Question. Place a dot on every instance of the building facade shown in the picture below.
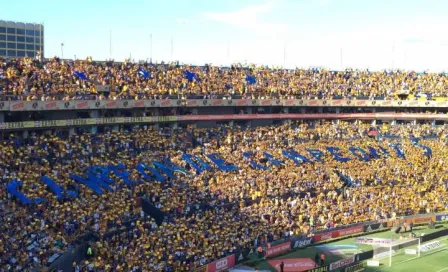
(21, 39)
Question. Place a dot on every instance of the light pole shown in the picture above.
(62, 50)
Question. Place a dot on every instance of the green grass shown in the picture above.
(431, 262)
(434, 261)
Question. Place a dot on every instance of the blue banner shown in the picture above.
(81, 75)
(222, 165)
(13, 189)
(143, 73)
(97, 178)
(190, 76)
(251, 80)
(443, 217)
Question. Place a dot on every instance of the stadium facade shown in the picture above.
(94, 115)
(19, 39)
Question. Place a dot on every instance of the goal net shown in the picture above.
(396, 251)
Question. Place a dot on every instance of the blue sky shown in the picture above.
(335, 34)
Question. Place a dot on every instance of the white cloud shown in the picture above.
(249, 18)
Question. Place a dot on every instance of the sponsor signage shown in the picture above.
(384, 254)
(223, 264)
(17, 106)
(373, 241)
(242, 102)
(342, 263)
(325, 268)
(443, 217)
(337, 233)
(355, 267)
(137, 103)
(52, 105)
(302, 242)
(278, 249)
(323, 236)
(109, 104)
(410, 251)
(293, 265)
(373, 263)
(421, 219)
(167, 103)
(81, 104)
(318, 237)
(350, 231)
(430, 246)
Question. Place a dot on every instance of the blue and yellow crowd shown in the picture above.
(34, 79)
(214, 213)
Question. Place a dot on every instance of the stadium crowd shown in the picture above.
(213, 213)
(34, 79)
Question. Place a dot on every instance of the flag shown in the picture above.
(251, 80)
(143, 73)
(81, 75)
(190, 76)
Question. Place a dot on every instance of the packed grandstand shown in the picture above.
(213, 191)
(35, 79)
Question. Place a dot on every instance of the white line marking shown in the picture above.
(443, 269)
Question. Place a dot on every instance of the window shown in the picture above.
(20, 39)
(20, 31)
(29, 32)
(30, 54)
(2, 37)
(20, 53)
(11, 53)
(29, 39)
(11, 38)
(37, 40)
(2, 29)
(37, 33)
(2, 52)
(11, 31)
(2, 45)
(11, 46)
(30, 47)
(21, 46)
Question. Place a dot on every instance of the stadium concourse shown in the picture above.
(33, 79)
(255, 186)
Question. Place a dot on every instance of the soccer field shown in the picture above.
(436, 261)
(433, 261)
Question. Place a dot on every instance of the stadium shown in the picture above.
(124, 165)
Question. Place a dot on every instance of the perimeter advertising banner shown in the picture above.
(355, 267)
(442, 217)
(223, 264)
(325, 268)
(338, 233)
(342, 263)
(373, 241)
(293, 265)
(278, 249)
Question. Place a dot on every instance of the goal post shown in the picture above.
(397, 251)
(390, 251)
